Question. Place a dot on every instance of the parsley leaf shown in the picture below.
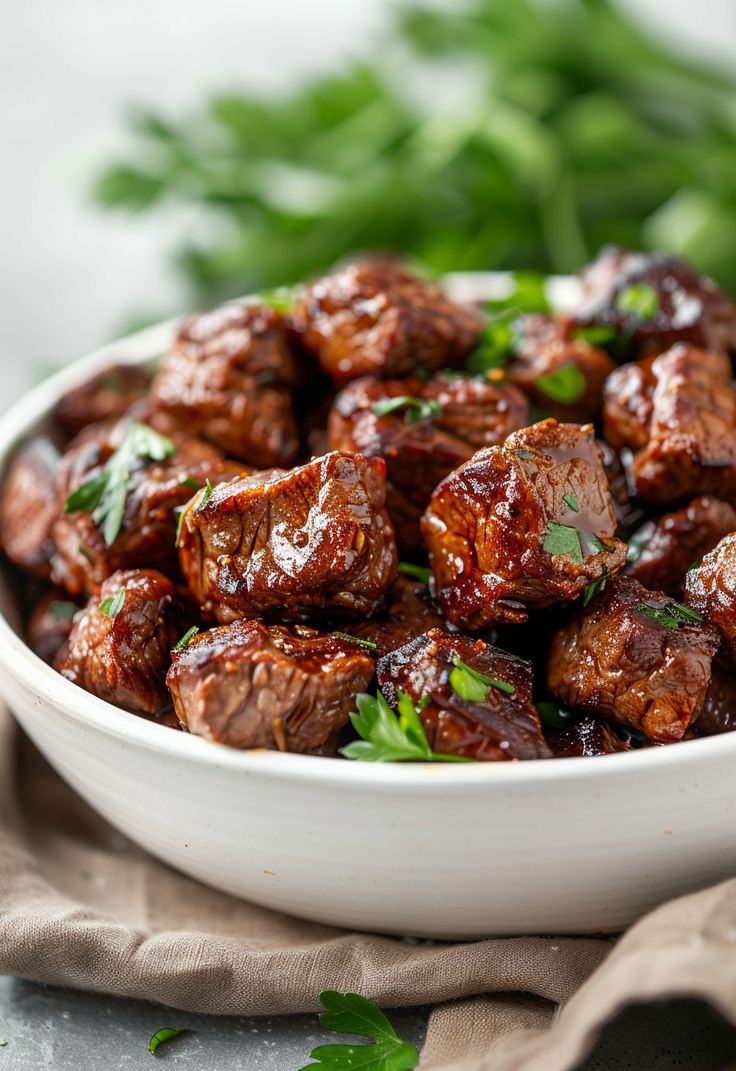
(166, 1033)
(596, 335)
(369, 644)
(495, 342)
(416, 408)
(350, 1013)
(188, 635)
(473, 685)
(639, 300)
(104, 495)
(671, 616)
(595, 586)
(572, 502)
(566, 384)
(113, 604)
(562, 539)
(388, 737)
(419, 572)
(280, 298)
(205, 497)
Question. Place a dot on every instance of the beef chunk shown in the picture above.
(710, 589)
(497, 727)
(719, 709)
(684, 305)
(28, 506)
(230, 379)
(407, 612)
(50, 624)
(247, 685)
(155, 490)
(585, 738)
(627, 404)
(662, 551)
(424, 440)
(635, 656)
(119, 645)
(562, 375)
(375, 318)
(292, 543)
(529, 523)
(107, 396)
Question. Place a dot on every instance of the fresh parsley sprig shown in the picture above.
(673, 615)
(416, 408)
(417, 572)
(113, 604)
(566, 384)
(390, 737)
(350, 1013)
(473, 685)
(104, 495)
(640, 301)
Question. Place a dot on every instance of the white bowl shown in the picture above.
(556, 846)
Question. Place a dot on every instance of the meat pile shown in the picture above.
(518, 533)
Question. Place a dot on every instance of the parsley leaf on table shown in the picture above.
(349, 1013)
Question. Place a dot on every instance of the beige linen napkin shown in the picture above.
(81, 907)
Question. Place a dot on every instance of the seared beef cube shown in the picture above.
(28, 506)
(480, 411)
(691, 447)
(108, 396)
(662, 551)
(248, 686)
(563, 375)
(375, 318)
(636, 657)
(627, 404)
(656, 299)
(719, 709)
(627, 512)
(407, 612)
(292, 543)
(50, 624)
(155, 490)
(493, 722)
(120, 643)
(585, 738)
(230, 378)
(710, 589)
(530, 523)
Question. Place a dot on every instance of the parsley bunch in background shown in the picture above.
(485, 135)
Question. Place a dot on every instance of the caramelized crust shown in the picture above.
(587, 737)
(28, 506)
(711, 590)
(406, 613)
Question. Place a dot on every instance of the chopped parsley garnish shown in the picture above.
(472, 685)
(205, 497)
(166, 1033)
(349, 1013)
(104, 494)
(61, 609)
(562, 539)
(595, 586)
(495, 342)
(671, 616)
(553, 715)
(528, 295)
(566, 384)
(419, 572)
(113, 604)
(639, 300)
(416, 408)
(572, 502)
(592, 544)
(280, 298)
(388, 736)
(369, 644)
(596, 334)
(186, 638)
(189, 481)
(524, 454)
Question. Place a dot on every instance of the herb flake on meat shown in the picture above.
(473, 685)
(113, 604)
(368, 644)
(562, 539)
(639, 300)
(186, 638)
(671, 616)
(567, 384)
(418, 572)
(416, 408)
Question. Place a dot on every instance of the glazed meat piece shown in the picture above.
(636, 657)
(230, 378)
(407, 612)
(719, 709)
(293, 543)
(662, 551)
(28, 506)
(585, 738)
(655, 299)
(50, 624)
(710, 589)
(438, 428)
(627, 404)
(691, 447)
(627, 512)
(500, 725)
(562, 375)
(247, 685)
(108, 396)
(153, 493)
(530, 523)
(120, 643)
(375, 318)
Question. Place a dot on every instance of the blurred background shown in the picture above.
(161, 156)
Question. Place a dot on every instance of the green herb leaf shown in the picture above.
(639, 300)
(350, 1013)
(188, 635)
(572, 502)
(685, 613)
(562, 539)
(419, 572)
(596, 335)
(567, 384)
(593, 544)
(369, 644)
(205, 497)
(166, 1033)
(61, 609)
(280, 298)
(553, 715)
(671, 616)
(189, 481)
(388, 737)
(473, 685)
(104, 495)
(416, 408)
(113, 604)
(495, 343)
(595, 586)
